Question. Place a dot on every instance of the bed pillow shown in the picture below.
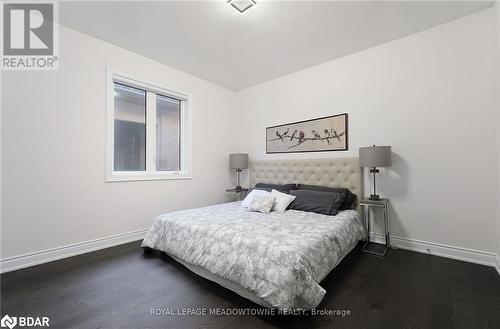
(248, 199)
(262, 203)
(258, 188)
(286, 188)
(282, 201)
(326, 203)
(337, 203)
(348, 198)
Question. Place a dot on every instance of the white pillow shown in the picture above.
(282, 201)
(262, 203)
(248, 199)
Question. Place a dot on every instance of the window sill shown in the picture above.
(128, 177)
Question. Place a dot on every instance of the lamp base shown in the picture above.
(374, 197)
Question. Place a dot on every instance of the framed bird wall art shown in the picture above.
(315, 135)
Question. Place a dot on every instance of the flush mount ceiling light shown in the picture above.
(242, 5)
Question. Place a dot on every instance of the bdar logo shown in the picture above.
(24, 321)
(8, 321)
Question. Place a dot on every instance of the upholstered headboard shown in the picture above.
(333, 172)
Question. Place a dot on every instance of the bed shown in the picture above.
(275, 260)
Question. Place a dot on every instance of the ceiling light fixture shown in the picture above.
(242, 5)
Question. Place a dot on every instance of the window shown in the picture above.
(148, 130)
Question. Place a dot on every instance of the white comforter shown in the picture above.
(279, 258)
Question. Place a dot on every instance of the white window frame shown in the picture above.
(152, 88)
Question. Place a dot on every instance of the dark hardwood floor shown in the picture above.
(118, 287)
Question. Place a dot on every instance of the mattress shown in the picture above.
(275, 260)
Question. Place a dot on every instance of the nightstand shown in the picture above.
(383, 204)
(237, 192)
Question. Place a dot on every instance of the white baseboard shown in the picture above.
(437, 249)
(35, 258)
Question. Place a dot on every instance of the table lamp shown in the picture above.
(238, 161)
(373, 157)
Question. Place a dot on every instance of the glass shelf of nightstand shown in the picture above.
(375, 203)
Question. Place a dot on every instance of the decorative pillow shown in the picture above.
(262, 203)
(248, 199)
(286, 188)
(348, 198)
(325, 203)
(282, 202)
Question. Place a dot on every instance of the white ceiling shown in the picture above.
(211, 40)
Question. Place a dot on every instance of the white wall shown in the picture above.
(432, 97)
(53, 151)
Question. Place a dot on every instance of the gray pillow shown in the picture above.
(326, 203)
(286, 188)
(348, 198)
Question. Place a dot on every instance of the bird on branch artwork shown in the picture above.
(317, 135)
(299, 136)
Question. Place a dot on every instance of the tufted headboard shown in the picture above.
(333, 172)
